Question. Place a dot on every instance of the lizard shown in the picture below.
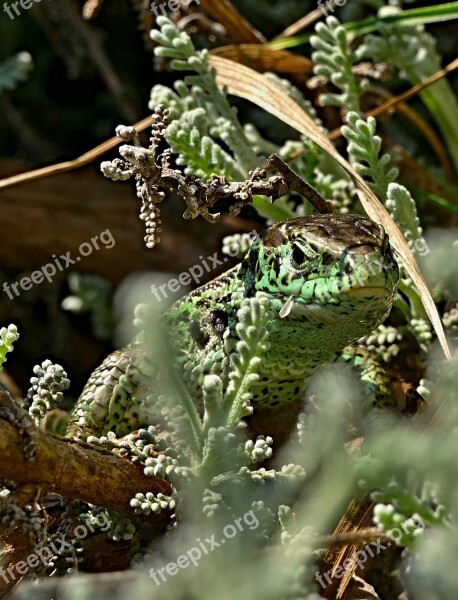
(330, 279)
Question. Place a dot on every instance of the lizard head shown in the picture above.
(332, 268)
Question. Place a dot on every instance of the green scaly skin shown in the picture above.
(327, 287)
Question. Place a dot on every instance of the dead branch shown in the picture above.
(67, 467)
(153, 174)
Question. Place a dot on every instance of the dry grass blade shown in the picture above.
(237, 26)
(246, 83)
(431, 136)
(410, 93)
(261, 58)
(69, 165)
(303, 23)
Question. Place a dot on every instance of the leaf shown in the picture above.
(433, 199)
(69, 165)
(261, 58)
(240, 30)
(244, 82)
(410, 17)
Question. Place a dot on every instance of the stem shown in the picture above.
(195, 423)
(443, 106)
(418, 311)
(246, 158)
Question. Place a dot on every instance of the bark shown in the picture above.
(70, 468)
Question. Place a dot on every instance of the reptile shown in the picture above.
(329, 278)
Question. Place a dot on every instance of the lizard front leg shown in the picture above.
(115, 396)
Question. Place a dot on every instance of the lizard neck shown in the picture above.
(298, 345)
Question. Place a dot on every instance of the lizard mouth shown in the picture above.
(328, 312)
(364, 290)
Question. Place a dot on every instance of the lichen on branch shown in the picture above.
(153, 174)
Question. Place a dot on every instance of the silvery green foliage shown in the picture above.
(207, 450)
(117, 527)
(422, 330)
(335, 186)
(185, 106)
(403, 209)
(178, 100)
(46, 389)
(410, 48)
(160, 466)
(364, 149)
(237, 245)
(432, 573)
(14, 515)
(424, 388)
(438, 259)
(319, 169)
(334, 60)
(450, 318)
(147, 503)
(188, 139)
(14, 70)
(404, 531)
(91, 294)
(252, 318)
(260, 145)
(414, 476)
(121, 529)
(384, 341)
(201, 115)
(8, 335)
(197, 151)
(259, 450)
(413, 51)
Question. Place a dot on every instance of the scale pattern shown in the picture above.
(329, 279)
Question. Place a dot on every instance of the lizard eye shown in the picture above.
(298, 257)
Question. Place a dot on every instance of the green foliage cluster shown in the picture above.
(91, 294)
(14, 70)
(8, 335)
(46, 390)
(214, 471)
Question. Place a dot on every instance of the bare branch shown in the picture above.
(72, 469)
(153, 174)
